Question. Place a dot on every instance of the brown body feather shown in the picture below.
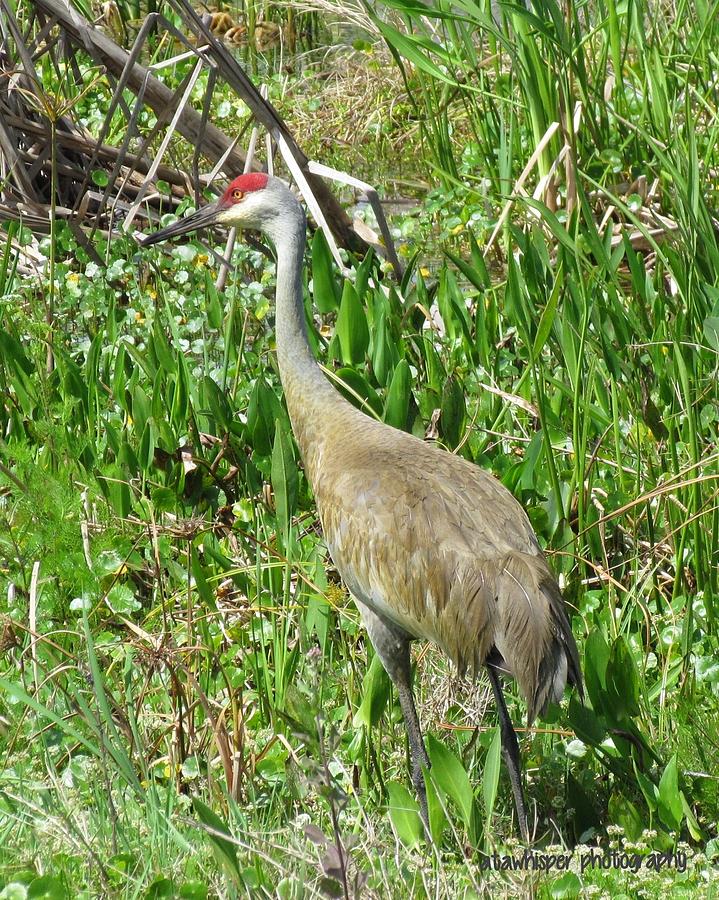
(437, 546)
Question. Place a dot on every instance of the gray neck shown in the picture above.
(306, 389)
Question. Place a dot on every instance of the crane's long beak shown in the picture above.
(202, 218)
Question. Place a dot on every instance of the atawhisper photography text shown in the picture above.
(593, 859)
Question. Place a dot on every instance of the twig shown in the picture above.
(13, 477)
(32, 615)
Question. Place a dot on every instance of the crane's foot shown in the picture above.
(420, 761)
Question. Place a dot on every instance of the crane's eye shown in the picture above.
(237, 195)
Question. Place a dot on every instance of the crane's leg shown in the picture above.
(510, 752)
(391, 644)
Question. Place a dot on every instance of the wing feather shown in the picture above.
(442, 549)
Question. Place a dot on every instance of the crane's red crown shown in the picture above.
(243, 184)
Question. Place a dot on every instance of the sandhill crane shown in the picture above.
(429, 545)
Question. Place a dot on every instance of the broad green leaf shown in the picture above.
(122, 600)
(141, 409)
(317, 618)
(622, 682)
(528, 467)
(358, 391)
(181, 398)
(262, 412)
(566, 887)
(586, 723)
(548, 314)
(193, 890)
(449, 775)
(217, 401)
(160, 888)
(324, 287)
(351, 328)
(73, 382)
(398, 396)
(433, 364)
(299, 712)
(596, 659)
(143, 360)
(161, 349)
(404, 815)
(623, 812)
(20, 369)
(92, 368)
(14, 890)
(475, 271)
(480, 266)
(284, 476)
(435, 809)
(127, 458)
(213, 303)
(334, 350)
(114, 486)
(671, 810)
(11, 351)
(453, 308)
(201, 585)
(218, 834)
(711, 331)
(364, 271)
(146, 448)
(47, 887)
(585, 815)
(375, 692)
(692, 823)
(451, 420)
(385, 350)
(648, 788)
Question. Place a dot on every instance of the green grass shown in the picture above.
(188, 705)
